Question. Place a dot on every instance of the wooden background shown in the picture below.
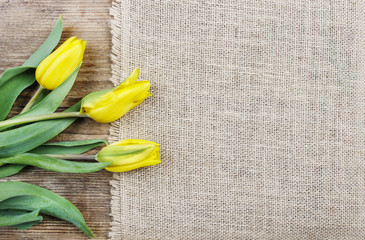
(24, 25)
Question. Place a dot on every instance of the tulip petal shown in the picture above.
(124, 155)
(109, 105)
(129, 154)
(92, 99)
(130, 167)
(55, 69)
(52, 57)
(133, 141)
(130, 80)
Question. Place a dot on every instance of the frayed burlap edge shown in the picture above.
(115, 13)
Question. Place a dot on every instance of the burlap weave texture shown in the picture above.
(259, 110)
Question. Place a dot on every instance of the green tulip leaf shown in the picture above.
(24, 225)
(52, 101)
(71, 147)
(10, 169)
(25, 138)
(54, 164)
(12, 72)
(25, 196)
(19, 219)
(10, 88)
(47, 47)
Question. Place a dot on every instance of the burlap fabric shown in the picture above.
(259, 109)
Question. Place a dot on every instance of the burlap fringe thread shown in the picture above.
(115, 126)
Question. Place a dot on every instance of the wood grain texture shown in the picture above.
(24, 25)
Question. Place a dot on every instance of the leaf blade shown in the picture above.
(25, 196)
(10, 169)
(16, 219)
(10, 90)
(12, 72)
(24, 225)
(71, 147)
(54, 164)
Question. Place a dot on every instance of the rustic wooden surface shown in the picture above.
(24, 25)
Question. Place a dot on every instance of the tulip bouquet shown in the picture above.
(24, 137)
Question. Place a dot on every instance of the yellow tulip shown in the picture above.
(130, 154)
(108, 105)
(55, 68)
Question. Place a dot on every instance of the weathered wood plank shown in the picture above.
(23, 27)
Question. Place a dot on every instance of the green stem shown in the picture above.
(72, 156)
(18, 121)
(33, 99)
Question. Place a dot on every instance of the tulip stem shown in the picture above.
(72, 156)
(18, 121)
(33, 99)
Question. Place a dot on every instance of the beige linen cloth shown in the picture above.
(259, 109)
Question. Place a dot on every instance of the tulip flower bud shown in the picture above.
(130, 154)
(55, 68)
(108, 105)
